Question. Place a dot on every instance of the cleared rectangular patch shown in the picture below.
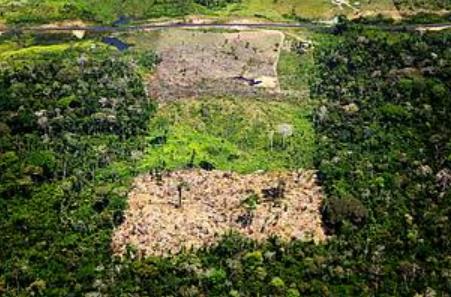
(197, 63)
(194, 208)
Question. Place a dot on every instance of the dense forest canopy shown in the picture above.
(385, 137)
(66, 114)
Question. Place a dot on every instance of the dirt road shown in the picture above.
(156, 26)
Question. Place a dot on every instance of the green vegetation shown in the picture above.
(279, 9)
(383, 156)
(76, 126)
(384, 149)
(69, 121)
(216, 3)
(38, 52)
(105, 11)
(430, 5)
(304, 9)
(37, 11)
(295, 68)
(232, 134)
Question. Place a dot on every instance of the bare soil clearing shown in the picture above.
(217, 202)
(66, 23)
(198, 63)
(438, 28)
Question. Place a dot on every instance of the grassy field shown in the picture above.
(310, 9)
(106, 11)
(232, 134)
(294, 70)
(280, 9)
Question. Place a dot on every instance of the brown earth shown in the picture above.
(215, 203)
(198, 63)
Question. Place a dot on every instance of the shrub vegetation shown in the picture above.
(231, 134)
(423, 4)
(106, 11)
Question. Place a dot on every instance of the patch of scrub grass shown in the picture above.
(288, 70)
(294, 70)
(106, 11)
(142, 40)
(102, 11)
(38, 50)
(40, 11)
(7, 47)
(280, 9)
(379, 6)
(231, 134)
(306, 9)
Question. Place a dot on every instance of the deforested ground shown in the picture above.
(196, 63)
(194, 208)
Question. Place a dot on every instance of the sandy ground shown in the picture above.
(66, 23)
(214, 203)
(439, 28)
(408, 12)
(209, 62)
